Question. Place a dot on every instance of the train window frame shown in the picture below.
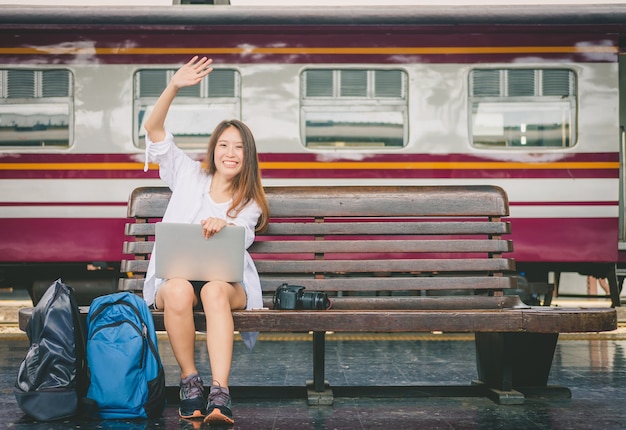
(41, 99)
(353, 99)
(197, 107)
(502, 105)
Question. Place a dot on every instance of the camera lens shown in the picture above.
(313, 301)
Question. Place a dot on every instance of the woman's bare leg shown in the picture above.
(219, 299)
(177, 298)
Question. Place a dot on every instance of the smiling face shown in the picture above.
(229, 153)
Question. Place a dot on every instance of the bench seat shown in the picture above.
(392, 319)
(531, 320)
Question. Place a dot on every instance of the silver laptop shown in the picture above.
(183, 252)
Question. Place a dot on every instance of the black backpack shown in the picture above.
(52, 378)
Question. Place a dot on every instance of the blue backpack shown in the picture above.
(127, 377)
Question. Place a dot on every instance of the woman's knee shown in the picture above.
(216, 295)
(176, 294)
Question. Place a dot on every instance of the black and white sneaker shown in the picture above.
(218, 411)
(191, 397)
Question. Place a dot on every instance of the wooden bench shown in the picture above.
(393, 259)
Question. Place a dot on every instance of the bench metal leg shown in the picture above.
(318, 390)
(319, 353)
(614, 286)
(510, 363)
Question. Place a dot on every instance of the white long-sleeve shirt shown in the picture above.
(189, 183)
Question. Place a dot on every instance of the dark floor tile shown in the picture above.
(594, 370)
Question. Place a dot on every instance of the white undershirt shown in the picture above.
(209, 208)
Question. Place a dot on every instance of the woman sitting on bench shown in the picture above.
(228, 191)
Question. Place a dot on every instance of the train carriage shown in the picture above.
(528, 98)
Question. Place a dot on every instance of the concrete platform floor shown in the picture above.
(593, 366)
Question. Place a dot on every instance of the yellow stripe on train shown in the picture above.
(346, 165)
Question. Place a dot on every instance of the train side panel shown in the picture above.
(64, 206)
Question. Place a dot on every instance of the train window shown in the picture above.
(354, 108)
(196, 110)
(35, 107)
(523, 108)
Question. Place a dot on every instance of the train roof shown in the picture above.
(570, 15)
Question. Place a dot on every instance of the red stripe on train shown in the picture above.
(61, 239)
(86, 240)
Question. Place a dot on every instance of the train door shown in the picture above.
(621, 266)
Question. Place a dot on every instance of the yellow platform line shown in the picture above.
(619, 334)
(14, 333)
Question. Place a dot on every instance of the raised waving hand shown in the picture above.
(189, 74)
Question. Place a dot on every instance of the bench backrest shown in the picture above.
(363, 241)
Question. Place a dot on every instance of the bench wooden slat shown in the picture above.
(148, 202)
(134, 266)
(144, 247)
(394, 321)
(385, 266)
(362, 266)
(381, 246)
(140, 229)
(423, 201)
(425, 302)
(130, 284)
(387, 321)
(341, 246)
(370, 284)
(573, 320)
(355, 227)
(366, 228)
(506, 320)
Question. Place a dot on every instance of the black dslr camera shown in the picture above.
(293, 297)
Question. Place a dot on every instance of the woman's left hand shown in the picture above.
(210, 226)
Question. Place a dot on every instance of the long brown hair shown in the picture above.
(247, 184)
